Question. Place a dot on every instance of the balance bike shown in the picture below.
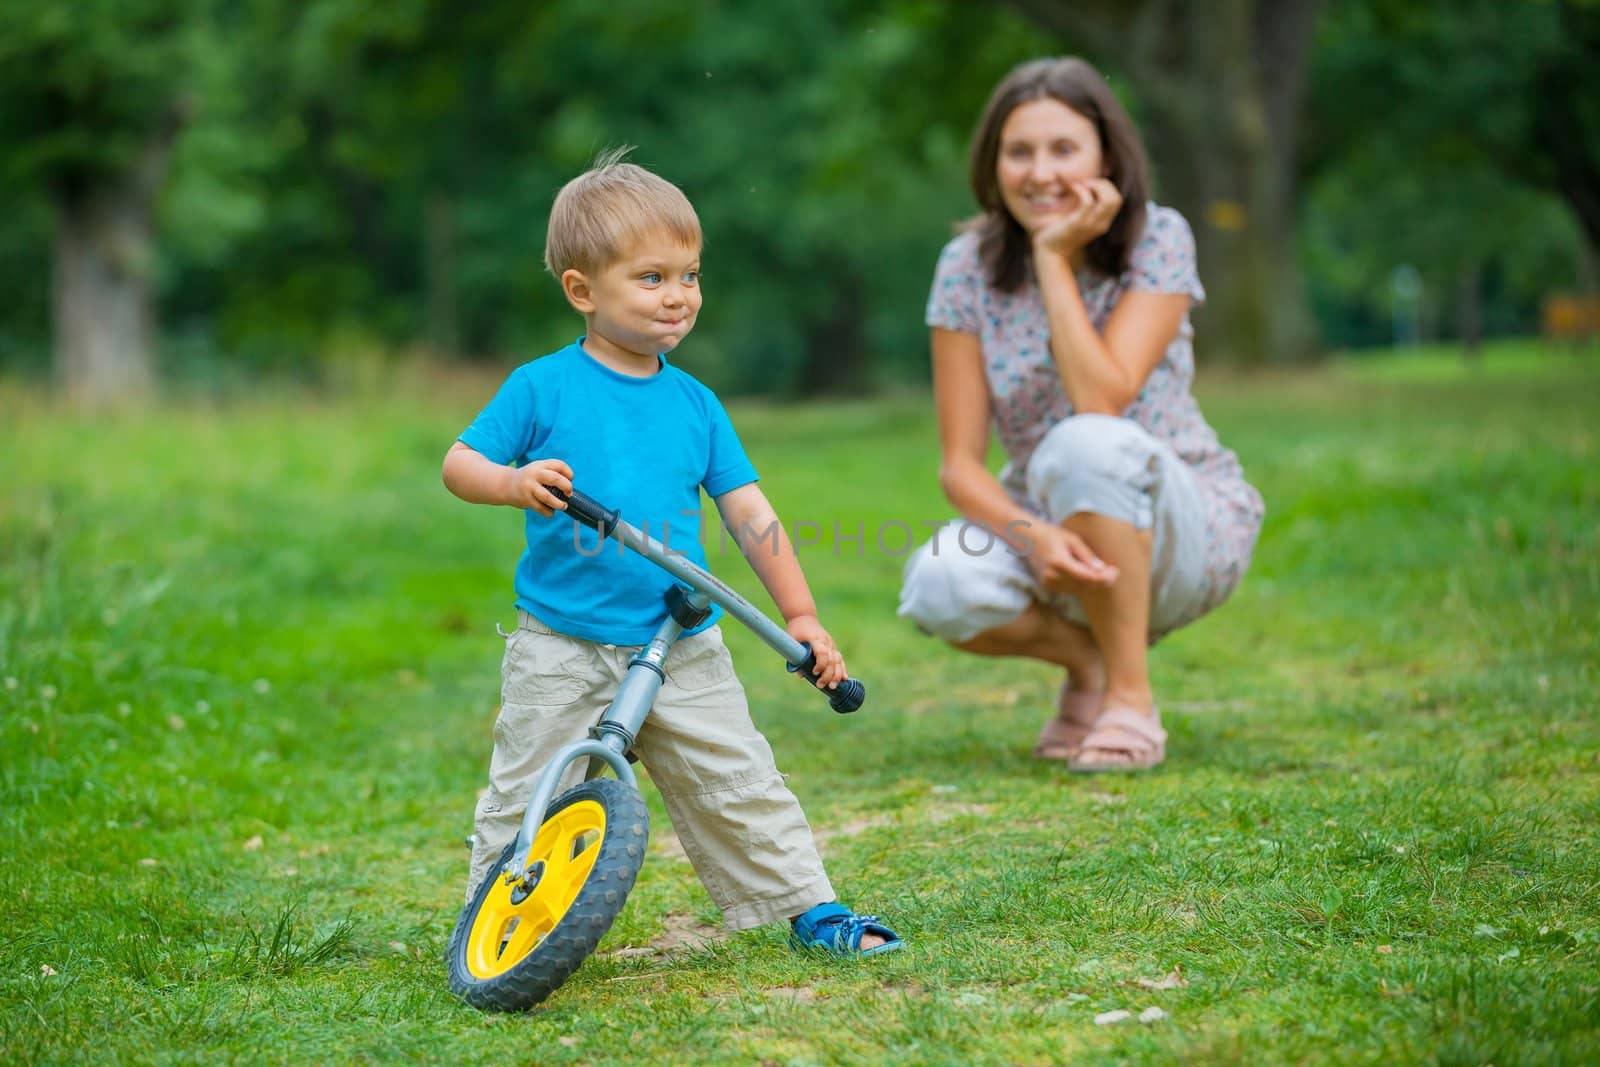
(562, 882)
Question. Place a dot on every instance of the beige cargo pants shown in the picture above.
(740, 825)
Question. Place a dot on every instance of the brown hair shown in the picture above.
(611, 207)
(1003, 245)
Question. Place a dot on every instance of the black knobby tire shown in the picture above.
(494, 970)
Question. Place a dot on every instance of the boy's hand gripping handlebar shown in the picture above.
(588, 511)
(846, 698)
(798, 655)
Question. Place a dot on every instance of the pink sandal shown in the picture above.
(1122, 740)
(1077, 711)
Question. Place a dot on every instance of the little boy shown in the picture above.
(609, 414)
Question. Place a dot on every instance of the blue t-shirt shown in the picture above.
(644, 446)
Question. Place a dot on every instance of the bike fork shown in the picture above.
(610, 739)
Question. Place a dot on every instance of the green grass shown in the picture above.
(248, 673)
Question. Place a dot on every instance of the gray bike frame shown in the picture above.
(609, 741)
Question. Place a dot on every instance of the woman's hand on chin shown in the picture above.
(1098, 201)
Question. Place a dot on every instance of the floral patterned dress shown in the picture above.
(1027, 399)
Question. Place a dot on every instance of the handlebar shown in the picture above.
(606, 521)
(589, 511)
(845, 699)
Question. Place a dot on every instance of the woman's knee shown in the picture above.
(955, 596)
(1107, 443)
(1097, 463)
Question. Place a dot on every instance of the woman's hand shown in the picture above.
(1099, 200)
(1063, 561)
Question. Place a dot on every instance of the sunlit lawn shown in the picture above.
(248, 671)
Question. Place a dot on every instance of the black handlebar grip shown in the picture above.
(850, 695)
(589, 511)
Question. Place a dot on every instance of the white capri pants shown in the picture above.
(1102, 464)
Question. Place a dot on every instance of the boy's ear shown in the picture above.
(576, 286)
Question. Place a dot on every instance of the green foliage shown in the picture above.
(1434, 140)
(360, 177)
(355, 180)
(1375, 213)
(248, 673)
(83, 85)
(375, 126)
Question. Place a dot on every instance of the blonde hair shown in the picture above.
(611, 207)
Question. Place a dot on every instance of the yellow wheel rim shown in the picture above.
(504, 933)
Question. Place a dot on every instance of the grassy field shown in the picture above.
(248, 671)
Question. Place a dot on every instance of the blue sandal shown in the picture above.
(834, 928)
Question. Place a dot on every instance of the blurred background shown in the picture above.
(207, 194)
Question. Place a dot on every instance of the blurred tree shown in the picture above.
(353, 178)
(1446, 135)
(426, 144)
(92, 98)
(419, 147)
(1485, 248)
(403, 139)
(827, 172)
(1222, 86)
(1563, 69)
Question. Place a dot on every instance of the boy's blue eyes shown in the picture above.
(690, 277)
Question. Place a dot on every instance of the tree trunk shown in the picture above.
(100, 299)
(439, 271)
(104, 257)
(836, 347)
(1563, 127)
(1469, 311)
(1222, 86)
(1589, 268)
